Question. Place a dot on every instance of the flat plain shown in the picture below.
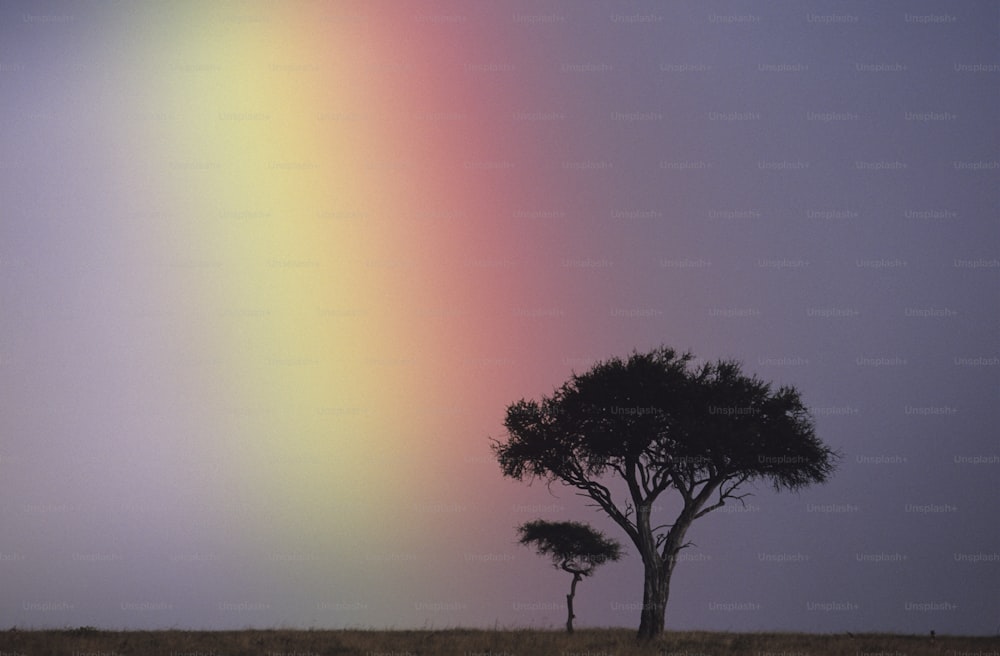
(87, 641)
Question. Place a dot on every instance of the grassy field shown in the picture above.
(464, 642)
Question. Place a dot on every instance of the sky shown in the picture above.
(271, 272)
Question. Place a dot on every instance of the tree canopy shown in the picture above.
(660, 422)
(573, 546)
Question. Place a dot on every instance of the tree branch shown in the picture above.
(681, 487)
(706, 491)
(618, 468)
(602, 496)
(644, 479)
(634, 486)
(726, 493)
(659, 482)
(709, 509)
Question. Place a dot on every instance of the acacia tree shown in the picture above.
(574, 547)
(658, 423)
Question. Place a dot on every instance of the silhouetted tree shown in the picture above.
(657, 422)
(574, 547)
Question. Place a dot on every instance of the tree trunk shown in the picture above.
(655, 591)
(656, 587)
(569, 602)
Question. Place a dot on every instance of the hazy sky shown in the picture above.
(270, 274)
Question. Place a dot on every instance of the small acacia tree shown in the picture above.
(656, 423)
(574, 547)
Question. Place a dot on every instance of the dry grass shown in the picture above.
(469, 642)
